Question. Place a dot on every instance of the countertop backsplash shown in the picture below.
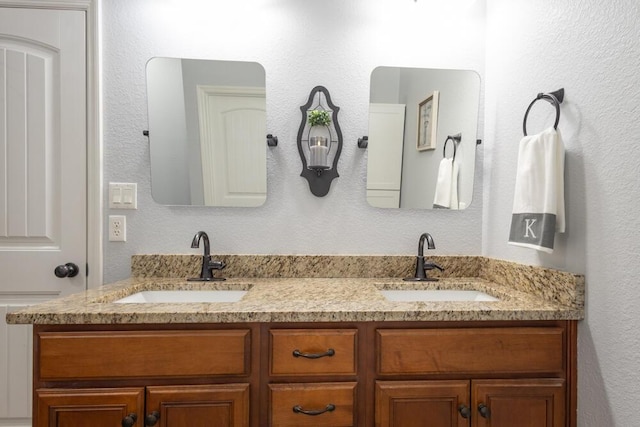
(552, 285)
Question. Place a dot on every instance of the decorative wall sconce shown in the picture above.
(319, 141)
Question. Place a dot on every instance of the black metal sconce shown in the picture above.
(319, 141)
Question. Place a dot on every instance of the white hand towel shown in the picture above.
(538, 203)
(446, 196)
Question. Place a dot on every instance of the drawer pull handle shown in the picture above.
(464, 411)
(329, 408)
(129, 420)
(328, 353)
(484, 410)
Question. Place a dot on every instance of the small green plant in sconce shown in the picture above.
(319, 118)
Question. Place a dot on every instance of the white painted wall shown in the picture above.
(334, 43)
(592, 49)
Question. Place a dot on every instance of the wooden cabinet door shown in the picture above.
(422, 403)
(220, 405)
(104, 407)
(522, 403)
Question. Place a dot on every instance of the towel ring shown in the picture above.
(554, 98)
(456, 139)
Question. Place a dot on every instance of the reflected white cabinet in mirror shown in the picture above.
(405, 104)
(207, 127)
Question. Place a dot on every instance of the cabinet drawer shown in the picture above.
(136, 354)
(335, 400)
(470, 351)
(313, 352)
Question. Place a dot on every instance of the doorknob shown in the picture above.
(66, 270)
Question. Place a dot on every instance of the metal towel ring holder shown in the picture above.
(456, 139)
(554, 98)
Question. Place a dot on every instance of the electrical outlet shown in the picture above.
(117, 228)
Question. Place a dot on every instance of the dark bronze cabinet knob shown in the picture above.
(484, 410)
(152, 419)
(129, 420)
(66, 270)
(464, 411)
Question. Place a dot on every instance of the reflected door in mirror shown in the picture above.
(234, 163)
(207, 127)
(384, 164)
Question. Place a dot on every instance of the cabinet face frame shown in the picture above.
(258, 375)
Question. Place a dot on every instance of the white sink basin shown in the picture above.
(182, 296)
(436, 295)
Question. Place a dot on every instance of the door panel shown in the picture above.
(232, 141)
(522, 403)
(384, 165)
(224, 405)
(42, 149)
(386, 138)
(421, 403)
(89, 407)
(43, 142)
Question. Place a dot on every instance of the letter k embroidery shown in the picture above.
(529, 224)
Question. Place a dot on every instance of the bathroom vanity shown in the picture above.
(314, 351)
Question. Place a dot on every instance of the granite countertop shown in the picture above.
(524, 292)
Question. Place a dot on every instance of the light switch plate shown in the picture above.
(123, 195)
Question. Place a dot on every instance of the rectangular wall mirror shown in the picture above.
(412, 112)
(207, 132)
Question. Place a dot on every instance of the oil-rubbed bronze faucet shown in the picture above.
(421, 265)
(208, 265)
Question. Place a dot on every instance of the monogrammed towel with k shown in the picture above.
(538, 203)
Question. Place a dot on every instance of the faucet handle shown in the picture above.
(432, 265)
(217, 265)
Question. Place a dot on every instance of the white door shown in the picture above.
(384, 163)
(233, 145)
(43, 143)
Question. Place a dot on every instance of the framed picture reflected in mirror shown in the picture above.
(428, 122)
